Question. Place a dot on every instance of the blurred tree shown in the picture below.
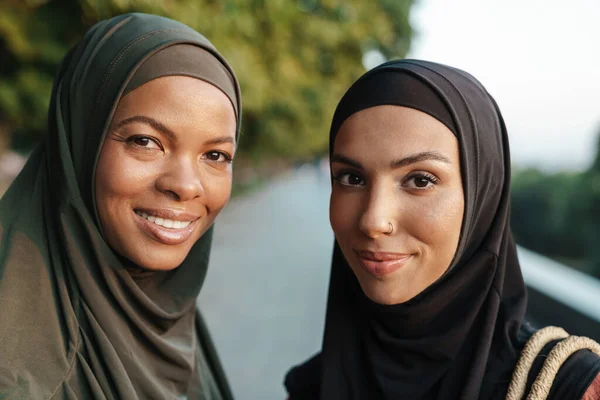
(588, 199)
(543, 213)
(595, 167)
(294, 59)
(559, 214)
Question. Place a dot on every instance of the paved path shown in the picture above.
(264, 297)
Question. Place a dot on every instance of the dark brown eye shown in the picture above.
(349, 179)
(141, 141)
(144, 142)
(217, 156)
(354, 180)
(421, 181)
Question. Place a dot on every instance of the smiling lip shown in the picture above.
(167, 235)
(380, 264)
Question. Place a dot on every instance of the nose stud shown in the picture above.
(391, 229)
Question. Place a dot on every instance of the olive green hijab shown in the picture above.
(74, 323)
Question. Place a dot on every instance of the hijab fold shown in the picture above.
(74, 321)
(461, 337)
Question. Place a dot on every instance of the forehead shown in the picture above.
(178, 101)
(176, 89)
(394, 131)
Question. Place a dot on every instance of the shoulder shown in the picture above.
(576, 377)
(304, 380)
(564, 368)
(593, 391)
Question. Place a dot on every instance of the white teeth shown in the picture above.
(167, 223)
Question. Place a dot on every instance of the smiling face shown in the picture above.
(396, 167)
(164, 171)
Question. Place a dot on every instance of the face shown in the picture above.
(396, 167)
(164, 171)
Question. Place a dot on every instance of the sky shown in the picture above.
(540, 60)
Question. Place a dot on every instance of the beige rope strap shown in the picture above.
(556, 358)
(534, 345)
(559, 354)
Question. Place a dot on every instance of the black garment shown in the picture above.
(460, 338)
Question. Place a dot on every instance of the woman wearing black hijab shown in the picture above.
(106, 233)
(426, 297)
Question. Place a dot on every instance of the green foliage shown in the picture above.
(294, 59)
(542, 214)
(595, 168)
(559, 215)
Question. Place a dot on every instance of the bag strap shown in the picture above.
(534, 345)
(559, 354)
(556, 358)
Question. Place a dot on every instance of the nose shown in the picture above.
(181, 180)
(377, 218)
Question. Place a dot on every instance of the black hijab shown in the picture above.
(74, 321)
(461, 337)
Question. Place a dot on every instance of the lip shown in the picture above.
(168, 236)
(380, 264)
(169, 214)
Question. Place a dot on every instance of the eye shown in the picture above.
(349, 179)
(218, 156)
(145, 142)
(421, 181)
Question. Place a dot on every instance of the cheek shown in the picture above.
(120, 178)
(218, 191)
(342, 213)
(125, 183)
(440, 224)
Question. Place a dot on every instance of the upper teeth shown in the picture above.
(167, 223)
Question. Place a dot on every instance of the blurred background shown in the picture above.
(265, 294)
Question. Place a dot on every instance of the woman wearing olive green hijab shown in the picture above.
(105, 235)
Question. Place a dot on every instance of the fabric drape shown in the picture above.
(74, 322)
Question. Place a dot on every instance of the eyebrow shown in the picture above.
(221, 140)
(166, 131)
(415, 158)
(147, 121)
(399, 163)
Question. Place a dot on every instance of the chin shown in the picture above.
(384, 299)
(151, 255)
(384, 293)
(153, 259)
(163, 263)
(160, 267)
